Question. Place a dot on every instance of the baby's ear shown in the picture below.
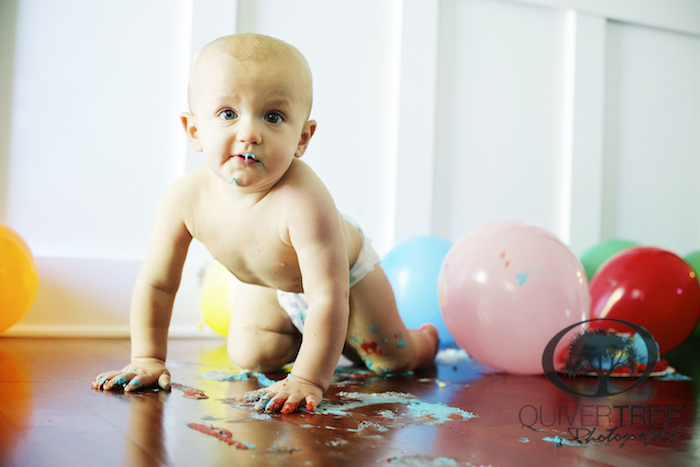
(306, 133)
(188, 123)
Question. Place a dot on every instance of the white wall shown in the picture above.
(652, 147)
(435, 116)
(501, 116)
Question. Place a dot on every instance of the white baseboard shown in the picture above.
(90, 298)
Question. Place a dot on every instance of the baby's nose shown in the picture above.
(248, 132)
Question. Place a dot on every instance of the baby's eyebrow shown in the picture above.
(280, 102)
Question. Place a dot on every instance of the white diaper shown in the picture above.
(296, 304)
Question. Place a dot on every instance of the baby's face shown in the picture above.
(250, 118)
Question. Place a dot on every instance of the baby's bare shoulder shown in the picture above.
(301, 186)
(187, 187)
(303, 200)
(180, 198)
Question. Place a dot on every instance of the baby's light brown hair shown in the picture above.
(252, 47)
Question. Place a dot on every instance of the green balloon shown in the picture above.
(684, 358)
(694, 260)
(595, 256)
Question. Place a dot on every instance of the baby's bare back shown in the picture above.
(251, 239)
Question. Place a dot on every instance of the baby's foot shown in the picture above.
(431, 333)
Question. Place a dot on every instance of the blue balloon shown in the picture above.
(413, 268)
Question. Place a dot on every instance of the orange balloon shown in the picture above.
(19, 280)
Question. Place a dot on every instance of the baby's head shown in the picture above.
(240, 49)
(250, 99)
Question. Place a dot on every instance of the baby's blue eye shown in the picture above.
(273, 117)
(227, 115)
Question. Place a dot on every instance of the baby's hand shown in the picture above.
(286, 395)
(141, 373)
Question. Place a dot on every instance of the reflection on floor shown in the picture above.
(455, 413)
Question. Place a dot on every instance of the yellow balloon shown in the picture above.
(218, 292)
(19, 280)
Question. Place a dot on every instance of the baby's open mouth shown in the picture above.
(248, 158)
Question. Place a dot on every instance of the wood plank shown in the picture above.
(49, 415)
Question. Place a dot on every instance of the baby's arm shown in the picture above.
(316, 235)
(152, 300)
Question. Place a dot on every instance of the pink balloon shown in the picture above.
(506, 289)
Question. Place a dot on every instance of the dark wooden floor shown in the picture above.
(49, 416)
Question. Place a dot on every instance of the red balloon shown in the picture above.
(649, 287)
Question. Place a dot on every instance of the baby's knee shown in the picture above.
(242, 357)
(267, 354)
(252, 359)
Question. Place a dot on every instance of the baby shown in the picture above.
(312, 287)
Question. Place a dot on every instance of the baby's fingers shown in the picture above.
(145, 381)
(134, 384)
(276, 403)
(121, 379)
(264, 401)
(164, 381)
(101, 379)
(292, 404)
(118, 380)
(311, 403)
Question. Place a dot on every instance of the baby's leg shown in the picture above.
(261, 336)
(378, 335)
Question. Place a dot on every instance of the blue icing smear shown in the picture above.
(522, 277)
(223, 376)
(402, 343)
(423, 461)
(263, 380)
(438, 413)
(559, 441)
(673, 377)
(242, 376)
(365, 424)
(408, 410)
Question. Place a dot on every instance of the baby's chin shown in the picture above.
(249, 184)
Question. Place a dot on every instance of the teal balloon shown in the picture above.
(595, 256)
(694, 260)
(413, 268)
